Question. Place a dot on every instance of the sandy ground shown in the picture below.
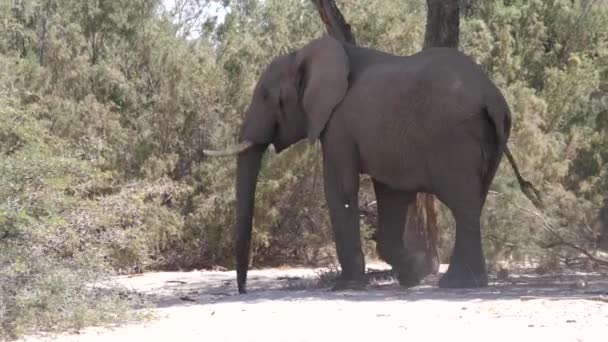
(204, 306)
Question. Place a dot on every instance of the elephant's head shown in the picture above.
(293, 99)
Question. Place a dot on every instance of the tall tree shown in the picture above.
(442, 29)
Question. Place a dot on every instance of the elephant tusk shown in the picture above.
(230, 151)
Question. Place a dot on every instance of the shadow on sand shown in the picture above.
(220, 287)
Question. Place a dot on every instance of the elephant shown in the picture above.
(430, 122)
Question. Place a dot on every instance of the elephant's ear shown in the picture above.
(323, 69)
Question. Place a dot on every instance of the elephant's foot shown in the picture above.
(463, 277)
(408, 272)
(350, 284)
(408, 279)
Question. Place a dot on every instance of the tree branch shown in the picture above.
(335, 24)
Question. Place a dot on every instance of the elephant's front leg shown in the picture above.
(341, 192)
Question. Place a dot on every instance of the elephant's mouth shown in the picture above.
(278, 142)
(279, 146)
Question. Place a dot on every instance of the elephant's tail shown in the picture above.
(526, 187)
(502, 126)
(499, 114)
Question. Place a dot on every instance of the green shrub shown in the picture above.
(54, 257)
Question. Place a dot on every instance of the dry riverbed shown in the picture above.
(285, 305)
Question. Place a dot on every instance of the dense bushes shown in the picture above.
(556, 86)
(105, 108)
(54, 235)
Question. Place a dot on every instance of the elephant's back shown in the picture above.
(398, 112)
(415, 97)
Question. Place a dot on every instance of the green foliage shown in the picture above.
(105, 108)
(549, 57)
(53, 247)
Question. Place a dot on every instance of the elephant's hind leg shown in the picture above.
(467, 264)
(460, 169)
(392, 211)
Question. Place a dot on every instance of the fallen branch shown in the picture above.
(560, 240)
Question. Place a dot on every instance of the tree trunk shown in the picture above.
(334, 22)
(421, 231)
(442, 23)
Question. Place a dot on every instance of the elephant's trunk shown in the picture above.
(248, 167)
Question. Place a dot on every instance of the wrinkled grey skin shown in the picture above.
(431, 122)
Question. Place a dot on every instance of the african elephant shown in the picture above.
(430, 122)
